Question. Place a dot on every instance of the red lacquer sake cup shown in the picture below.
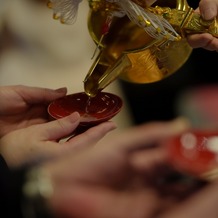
(103, 107)
(194, 152)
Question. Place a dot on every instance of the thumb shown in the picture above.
(60, 128)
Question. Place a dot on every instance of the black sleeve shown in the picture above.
(11, 182)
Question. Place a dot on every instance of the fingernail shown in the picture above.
(61, 90)
(75, 116)
(111, 124)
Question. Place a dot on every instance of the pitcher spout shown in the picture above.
(103, 72)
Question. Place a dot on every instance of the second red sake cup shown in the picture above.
(195, 152)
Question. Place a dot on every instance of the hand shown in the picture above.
(22, 106)
(208, 10)
(115, 178)
(40, 141)
(199, 205)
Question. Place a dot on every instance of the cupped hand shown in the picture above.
(22, 106)
(42, 141)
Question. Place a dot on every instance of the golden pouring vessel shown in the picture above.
(136, 43)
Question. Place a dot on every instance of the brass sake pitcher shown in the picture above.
(127, 51)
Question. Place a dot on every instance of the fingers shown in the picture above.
(37, 141)
(147, 134)
(60, 128)
(204, 40)
(63, 127)
(208, 9)
(117, 151)
(145, 160)
(92, 135)
(35, 95)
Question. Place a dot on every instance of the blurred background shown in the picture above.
(36, 50)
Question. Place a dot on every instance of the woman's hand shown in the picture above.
(22, 106)
(40, 141)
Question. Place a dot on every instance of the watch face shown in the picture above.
(194, 152)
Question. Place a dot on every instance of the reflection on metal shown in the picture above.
(137, 43)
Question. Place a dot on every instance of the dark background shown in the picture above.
(157, 101)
